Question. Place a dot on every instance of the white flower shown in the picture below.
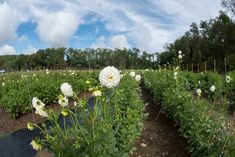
(39, 106)
(132, 74)
(35, 145)
(96, 93)
(137, 77)
(180, 56)
(175, 74)
(63, 102)
(66, 89)
(176, 68)
(34, 75)
(146, 69)
(41, 112)
(212, 89)
(75, 103)
(228, 78)
(199, 92)
(3, 84)
(30, 126)
(109, 77)
(179, 52)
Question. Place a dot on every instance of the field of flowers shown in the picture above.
(202, 105)
(105, 123)
(17, 89)
(109, 121)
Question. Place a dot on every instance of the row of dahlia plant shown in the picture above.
(218, 89)
(205, 129)
(17, 89)
(106, 124)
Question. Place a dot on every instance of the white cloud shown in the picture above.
(100, 43)
(147, 24)
(7, 50)
(119, 41)
(10, 20)
(115, 41)
(57, 28)
(29, 50)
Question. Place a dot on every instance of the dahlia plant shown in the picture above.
(88, 128)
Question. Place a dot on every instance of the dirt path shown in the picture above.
(160, 136)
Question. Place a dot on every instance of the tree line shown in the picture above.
(61, 58)
(210, 44)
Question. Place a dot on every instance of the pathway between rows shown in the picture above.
(159, 138)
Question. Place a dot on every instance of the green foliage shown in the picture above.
(204, 128)
(109, 128)
(19, 89)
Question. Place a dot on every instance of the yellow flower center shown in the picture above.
(110, 77)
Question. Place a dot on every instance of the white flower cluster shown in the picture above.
(109, 77)
(175, 74)
(39, 107)
(133, 74)
(180, 54)
(66, 89)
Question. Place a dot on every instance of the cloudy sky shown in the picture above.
(28, 25)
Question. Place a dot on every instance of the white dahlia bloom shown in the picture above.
(39, 106)
(199, 92)
(212, 89)
(132, 74)
(137, 77)
(175, 74)
(109, 77)
(179, 52)
(66, 89)
(228, 78)
(63, 102)
(180, 56)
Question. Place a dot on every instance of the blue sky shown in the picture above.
(29, 25)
